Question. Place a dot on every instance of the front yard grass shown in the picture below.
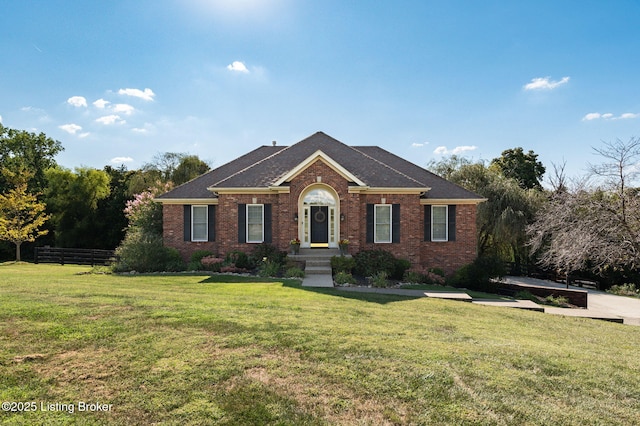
(188, 349)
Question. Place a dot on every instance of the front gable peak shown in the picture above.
(319, 155)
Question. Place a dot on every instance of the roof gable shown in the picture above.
(371, 168)
(318, 156)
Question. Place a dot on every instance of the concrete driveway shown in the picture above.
(599, 303)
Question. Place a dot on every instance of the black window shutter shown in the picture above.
(211, 223)
(452, 223)
(242, 223)
(370, 224)
(427, 223)
(268, 234)
(395, 223)
(187, 222)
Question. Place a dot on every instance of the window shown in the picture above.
(439, 223)
(382, 220)
(255, 223)
(199, 225)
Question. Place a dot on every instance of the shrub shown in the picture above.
(370, 262)
(342, 264)
(197, 255)
(400, 266)
(145, 253)
(628, 289)
(212, 263)
(269, 268)
(268, 251)
(294, 272)
(344, 278)
(479, 274)
(240, 260)
(414, 277)
(379, 279)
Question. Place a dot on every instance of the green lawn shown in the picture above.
(194, 350)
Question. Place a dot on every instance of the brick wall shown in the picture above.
(173, 232)
(446, 255)
(451, 255)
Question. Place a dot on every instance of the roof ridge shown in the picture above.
(386, 165)
(249, 167)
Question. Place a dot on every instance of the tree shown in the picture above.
(21, 214)
(503, 218)
(524, 168)
(72, 199)
(190, 167)
(21, 150)
(594, 228)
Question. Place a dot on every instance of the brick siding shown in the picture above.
(446, 255)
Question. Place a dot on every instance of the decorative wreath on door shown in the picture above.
(319, 216)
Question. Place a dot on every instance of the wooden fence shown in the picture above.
(73, 256)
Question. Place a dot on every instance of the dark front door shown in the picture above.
(319, 225)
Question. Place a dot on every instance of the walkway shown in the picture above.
(602, 306)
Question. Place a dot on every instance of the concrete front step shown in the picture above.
(317, 270)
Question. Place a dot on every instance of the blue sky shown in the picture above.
(118, 82)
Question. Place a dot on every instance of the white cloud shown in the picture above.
(101, 103)
(139, 130)
(123, 108)
(71, 128)
(443, 150)
(77, 101)
(591, 116)
(83, 135)
(110, 119)
(0, 119)
(238, 66)
(419, 145)
(146, 94)
(628, 115)
(609, 116)
(545, 83)
(120, 160)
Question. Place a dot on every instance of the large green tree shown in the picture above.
(21, 214)
(523, 168)
(72, 199)
(503, 218)
(22, 150)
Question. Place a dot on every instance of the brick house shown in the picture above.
(321, 191)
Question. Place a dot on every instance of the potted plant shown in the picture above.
(295, 246)
(344, 246)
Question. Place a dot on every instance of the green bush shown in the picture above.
(344, 278)
(142, 252)
(197, 255)
(294, 272)
(479, 275)
(342, 264)
(269, 268)
(379, 279)
(271, 252)
(400, 267)
(413, 277)
(240, 260)
(628, 289)
(370, 262)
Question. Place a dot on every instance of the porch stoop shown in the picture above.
(317, 271)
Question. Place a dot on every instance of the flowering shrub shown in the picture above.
(212, 263)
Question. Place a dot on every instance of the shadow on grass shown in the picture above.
(364, 296)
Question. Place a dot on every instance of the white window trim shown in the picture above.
(261, 223)
(206, 223)
(375, 224)
(446, 224)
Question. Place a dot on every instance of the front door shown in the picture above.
(319, 226)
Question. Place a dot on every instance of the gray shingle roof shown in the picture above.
(372, 165)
